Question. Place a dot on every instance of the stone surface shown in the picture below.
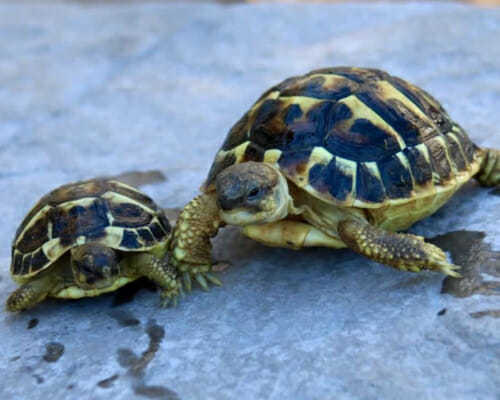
(101, 90)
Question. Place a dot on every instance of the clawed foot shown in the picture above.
(435, 260)
(169, 296)
(201, 274)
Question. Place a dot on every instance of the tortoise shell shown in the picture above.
(98, 210)
(352, 137)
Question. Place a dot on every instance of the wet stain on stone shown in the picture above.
(137, 365)
(127, 293)
(127, 358)
(124, 318)
(108, 382)
(495, 192)
(156, 392)
(442, 312)
(468, 249)
(486, 313)
(33, 322)
(140, 178)
(53, 351)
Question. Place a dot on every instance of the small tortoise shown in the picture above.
(339, 157)
(88, 238)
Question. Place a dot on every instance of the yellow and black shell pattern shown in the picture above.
(352, 137)
(98, 210)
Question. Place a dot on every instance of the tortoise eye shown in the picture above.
(253, 193)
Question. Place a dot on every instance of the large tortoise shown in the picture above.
(338, 157)
(88, 238)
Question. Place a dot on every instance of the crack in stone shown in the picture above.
(486, 313)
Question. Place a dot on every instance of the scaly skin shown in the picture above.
(403, 251)
(489, 173)
(191, 250)
(157, 270)
(31, 293)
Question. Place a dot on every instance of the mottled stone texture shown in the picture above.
(89, 90)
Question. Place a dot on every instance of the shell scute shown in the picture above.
(455, 152)
(320, 87)
(468, 148)
(439, 160)
(395, 114)
(158, 232)
(427, 103)
(334, 178)
(396, 177)
(35, 236)
(294, 162)
(361, 141)
(17, 263)
(369, 187)
(253, 152)
(68, 223)
(146, 235)
(128, 215)
(38, 261)
(238, 133)
(130, 240)
(420, 167)
(268, 125)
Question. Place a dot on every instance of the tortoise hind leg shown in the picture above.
(489, 173)
(402, 251)
(30, 294)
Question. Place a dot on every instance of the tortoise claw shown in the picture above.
(213, 279)
(165, 302)
(181, 290)
(200, 274)
(202, 281)
(449, 269)
(169, 296)
(187, 280)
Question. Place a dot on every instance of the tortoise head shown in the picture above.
(252, 193)
(94, 266)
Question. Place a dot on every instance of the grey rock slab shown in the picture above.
(89, 90)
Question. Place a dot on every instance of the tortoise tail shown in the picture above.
(489, 172)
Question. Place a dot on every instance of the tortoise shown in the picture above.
(338, 157)
(87, 238)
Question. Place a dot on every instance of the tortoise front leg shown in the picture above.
(403, 251)
(30, 294)
(191, 250)
(157, 270)
(489, 173)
